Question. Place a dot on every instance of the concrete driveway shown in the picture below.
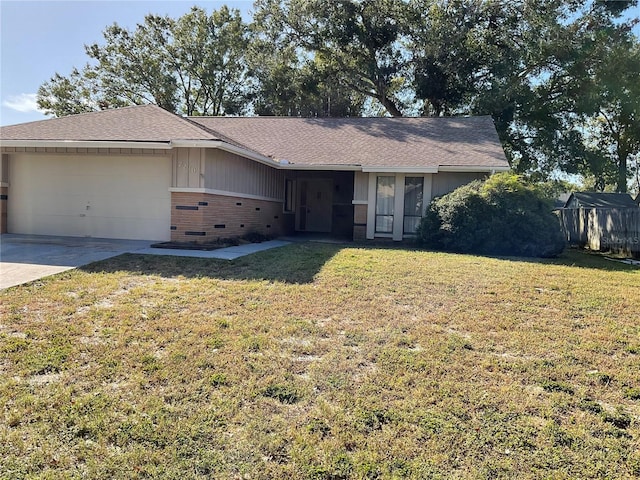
(24, 258)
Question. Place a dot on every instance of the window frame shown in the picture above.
(391, 200)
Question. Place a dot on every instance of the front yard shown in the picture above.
(327, 362)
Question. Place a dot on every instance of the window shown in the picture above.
(413, 198)
(385, 194)
(289, 196)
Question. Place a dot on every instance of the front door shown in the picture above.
(315, 205)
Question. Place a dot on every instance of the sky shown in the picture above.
(41, 38)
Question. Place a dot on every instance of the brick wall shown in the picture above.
(204, 217)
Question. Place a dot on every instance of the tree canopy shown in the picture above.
(193, 65)
(561, 79)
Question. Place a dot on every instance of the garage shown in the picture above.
(84, 195)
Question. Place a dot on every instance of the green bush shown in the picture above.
(502, 215)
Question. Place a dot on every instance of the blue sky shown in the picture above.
(41, 38)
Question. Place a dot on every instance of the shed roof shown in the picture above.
(600, 200)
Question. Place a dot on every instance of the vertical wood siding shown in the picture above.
(445, 182)
(231, 173)
(360, 186)
(187, 167)
(603, 229)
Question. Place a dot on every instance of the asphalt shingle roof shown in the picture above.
(369, 142)
(401, 142)
(600, 200)
(144, 123)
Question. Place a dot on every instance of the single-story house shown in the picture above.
(600, 200)
(144, 173)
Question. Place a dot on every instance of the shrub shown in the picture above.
(502, 215)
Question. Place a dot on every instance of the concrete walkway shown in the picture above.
(227, 253)
(24, 258)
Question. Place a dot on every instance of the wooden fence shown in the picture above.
(603, 229)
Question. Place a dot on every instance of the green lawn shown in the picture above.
(323, 362)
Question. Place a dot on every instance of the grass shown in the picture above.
(323, 362)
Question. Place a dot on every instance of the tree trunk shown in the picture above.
(390, 106)
(622, 172)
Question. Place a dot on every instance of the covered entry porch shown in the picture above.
(320, 202)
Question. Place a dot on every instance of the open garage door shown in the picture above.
(102, 196)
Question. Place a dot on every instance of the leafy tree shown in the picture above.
(449, 49)
(133, 67)
(208, 56)
(544, 70)
(77, 93)
(612, 124)
(292, 86)
(358, 41)
(193, 65)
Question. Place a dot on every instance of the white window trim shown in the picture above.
(398, 216)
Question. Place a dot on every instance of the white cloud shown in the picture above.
(24, 102)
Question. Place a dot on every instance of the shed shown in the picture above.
(602, 222)
(600, 200)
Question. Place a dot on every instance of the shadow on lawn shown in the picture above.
(298, 263)
(570, 257)
(576, 258)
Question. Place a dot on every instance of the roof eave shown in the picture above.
(227, 147)
(84, 144)
(343, 168)
(437, 169)
(397, 169)
(252, 155)
(474, 168)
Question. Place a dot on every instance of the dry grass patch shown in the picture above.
(322, 361)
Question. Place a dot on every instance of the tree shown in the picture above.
(77, 93)
(448, 47)
(208, 58)
(287, 85)
(193, 65)
(613, 121)
(544, 71)
(358, 41)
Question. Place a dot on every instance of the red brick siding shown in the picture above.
(250, 215)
